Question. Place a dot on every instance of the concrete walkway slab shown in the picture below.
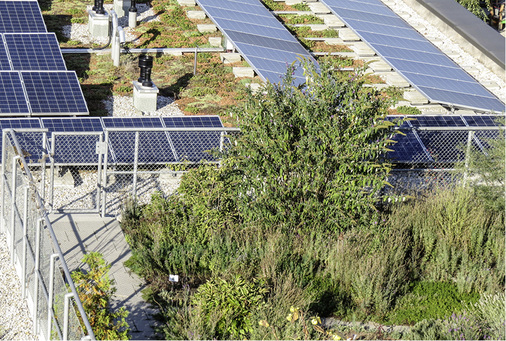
(81, 233)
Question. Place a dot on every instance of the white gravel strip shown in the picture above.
(15, 320)
(123, 106)
(80, 32)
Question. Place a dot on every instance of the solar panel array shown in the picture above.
(428, 69)
(33, 76)
(419, 146)
(154, 146)
(261, 39)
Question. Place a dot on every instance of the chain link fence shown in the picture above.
(430, 157)
(46, 282)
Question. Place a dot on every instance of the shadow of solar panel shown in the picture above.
(194, 146)
(56, 92)
(407, 150)
(12, 97)
(445, 146)
(34, 51)
(21, 16)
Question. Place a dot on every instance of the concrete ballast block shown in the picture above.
(363, 50)
(331, 20)
(347, 34)
(145, 97)
(121, 7)
(196, 15)
(243, 72)
(380, 66)
(215, 41)
(228, 58)
(98, 24)
(395, 79)
(206, 28)
(318, 8)
(186, 2)
(415, 97)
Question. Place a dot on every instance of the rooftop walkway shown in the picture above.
(82, 233)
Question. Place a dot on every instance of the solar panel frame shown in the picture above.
(394, 48)
(13, 101)
(5, 64)
(54, 93)
(21, 17)
(249, 35)
(34, 51)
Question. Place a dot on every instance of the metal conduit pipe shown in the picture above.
(152, 50)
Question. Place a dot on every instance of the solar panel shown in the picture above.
(12, 97)
(192, 122)
(437, 121)
(408, 149)
(429, 70)
(56, 92)
(262, 40)
(484, 121)
(21, 17)
(154, 146)
(132, 122)
(67, 124)
(4, 59)
(34, 51)
(30, 142)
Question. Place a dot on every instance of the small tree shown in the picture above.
(311, 155)
(95, 289)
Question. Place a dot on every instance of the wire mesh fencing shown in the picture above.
(35, 252)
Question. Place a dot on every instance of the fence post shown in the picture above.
(51, 173)
(36, 276)
(104, 176)
(66, 315)
(470, 136)
(99, 171)
(51, 289)
(43, 168)
(13, 204)
(25, 241)
(136, 163)
(2, 184)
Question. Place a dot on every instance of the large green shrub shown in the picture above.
(310, 157)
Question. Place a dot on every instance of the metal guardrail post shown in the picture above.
(66, 315)
(51, 289)
(52, 141)
(104, 178)
(25, 241)
(15, 160)
(99, 172)
(470, 136)
(36, 276)
(136, 164)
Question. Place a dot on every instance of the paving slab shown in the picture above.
(82, 233)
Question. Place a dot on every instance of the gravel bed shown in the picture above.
(123, 106)
(15, 320)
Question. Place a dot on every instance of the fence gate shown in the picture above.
(74, 171)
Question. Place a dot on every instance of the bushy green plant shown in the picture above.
(474, 6)
(407, 110)
(490, 313)
(226, 306)
(311, 156)
(430, 300)
(95, 290)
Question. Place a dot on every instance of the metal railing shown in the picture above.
(53, 301)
